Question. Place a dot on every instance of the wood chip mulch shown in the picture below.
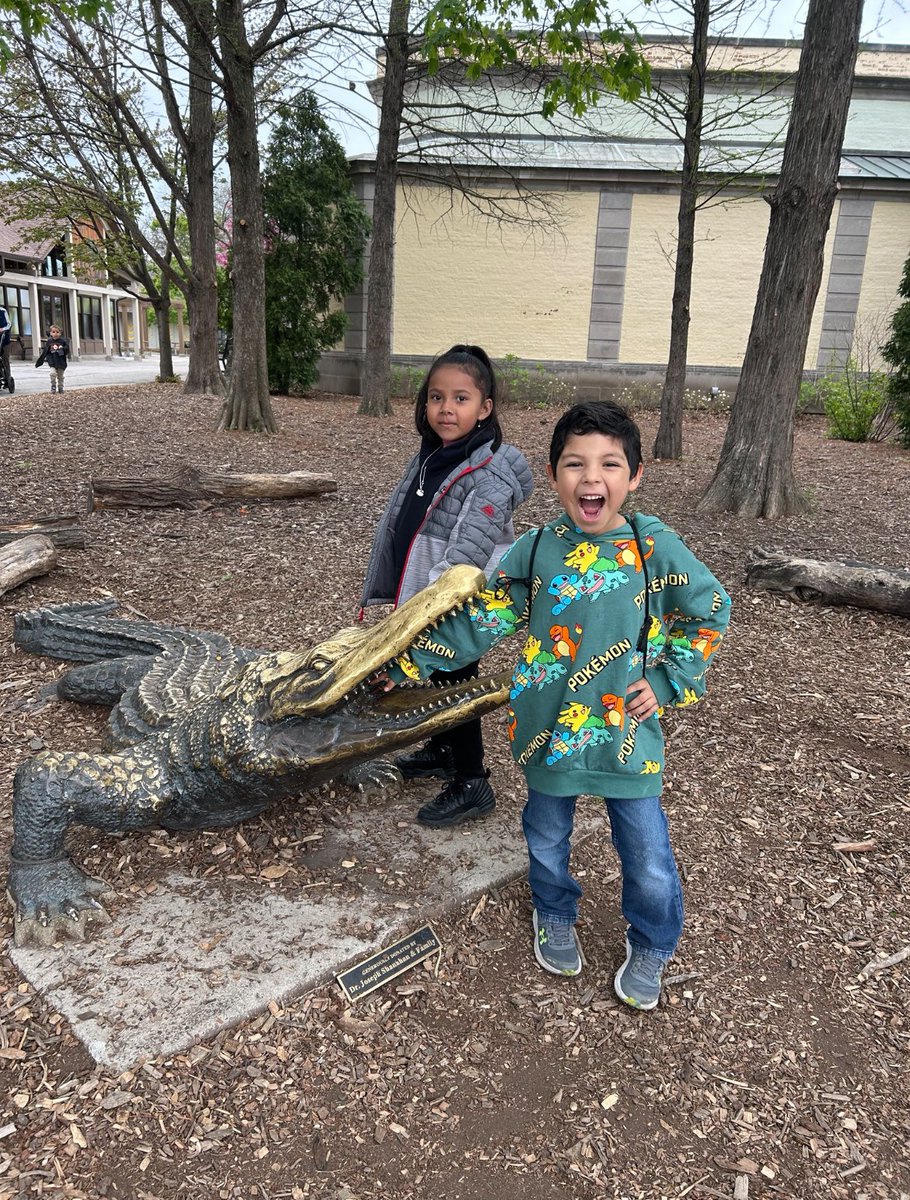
(778, 1064)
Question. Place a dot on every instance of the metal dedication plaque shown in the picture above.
(388, 964)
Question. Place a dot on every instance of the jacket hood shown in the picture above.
(511, 466)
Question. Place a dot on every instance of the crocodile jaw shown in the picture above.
(318, 680)
(372, 724)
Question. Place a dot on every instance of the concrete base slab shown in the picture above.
(200, 955)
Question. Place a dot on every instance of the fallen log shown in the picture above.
(63, 530)
(199, 489)
(841, 581)
(24, 559)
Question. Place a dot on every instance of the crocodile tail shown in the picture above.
(84, 632)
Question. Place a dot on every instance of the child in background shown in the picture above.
(453, 505)
(620, 619)
(55, 353)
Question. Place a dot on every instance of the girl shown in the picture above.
(453, 505)
(55, 352)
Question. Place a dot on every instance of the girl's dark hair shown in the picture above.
(476, 362)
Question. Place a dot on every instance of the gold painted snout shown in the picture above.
(315, 681)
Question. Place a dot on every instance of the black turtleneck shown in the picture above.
(439, 462)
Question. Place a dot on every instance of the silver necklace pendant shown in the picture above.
(423, 471)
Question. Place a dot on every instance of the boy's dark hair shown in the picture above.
(598, 416)
(476, 362)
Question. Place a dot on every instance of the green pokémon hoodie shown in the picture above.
(582, 615)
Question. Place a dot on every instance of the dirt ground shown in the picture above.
(777, 1063)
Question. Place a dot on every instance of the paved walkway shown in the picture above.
(90, 373)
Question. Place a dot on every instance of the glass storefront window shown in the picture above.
(90, 318)
(16, 302)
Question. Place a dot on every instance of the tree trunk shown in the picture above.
(859, 585)
(377, 366)
(63, 530)
(884, 424)
(668, 443)
(158, 291)
(24, 559)
(162, 306)
(196, 489)
(246, 404)
(203, 375)
(754, 476)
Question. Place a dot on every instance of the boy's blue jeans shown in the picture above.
(651, 891)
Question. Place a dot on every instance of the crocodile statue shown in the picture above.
(203, 733)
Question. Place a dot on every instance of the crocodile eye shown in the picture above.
(320, 664)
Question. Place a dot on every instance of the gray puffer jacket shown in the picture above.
(469, 520)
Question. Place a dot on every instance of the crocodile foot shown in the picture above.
(378, 776)
(54, 901)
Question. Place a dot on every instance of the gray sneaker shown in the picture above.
(637, 981)
(556, 946)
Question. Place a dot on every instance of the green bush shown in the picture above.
(809, 396)
(534, 387)
(899, 396)
(715, 400)
(896, 352)
(406, 382)
(638, 394)
(852, 401)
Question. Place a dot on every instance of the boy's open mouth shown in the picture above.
(591, 506)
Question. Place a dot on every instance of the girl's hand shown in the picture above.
(380, 682)
(641, 702)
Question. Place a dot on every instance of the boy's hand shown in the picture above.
(641, 702)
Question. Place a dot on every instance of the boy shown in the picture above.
(55, 353)
(621, 619)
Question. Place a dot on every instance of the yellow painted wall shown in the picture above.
(645, 334)
(729, 249)
(887, 251)
(459, 277)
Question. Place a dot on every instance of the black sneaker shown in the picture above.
(429, 760)
(459, 801)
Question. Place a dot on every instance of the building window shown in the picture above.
(90, 318)
(16, 264)
(54, 266)
(16, 303)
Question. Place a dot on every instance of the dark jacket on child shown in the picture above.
(54, 352)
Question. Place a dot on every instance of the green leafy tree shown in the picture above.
(316, 229)
(33, 17)
(584, 47)
(896, 351)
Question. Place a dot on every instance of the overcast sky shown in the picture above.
(884, 21)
